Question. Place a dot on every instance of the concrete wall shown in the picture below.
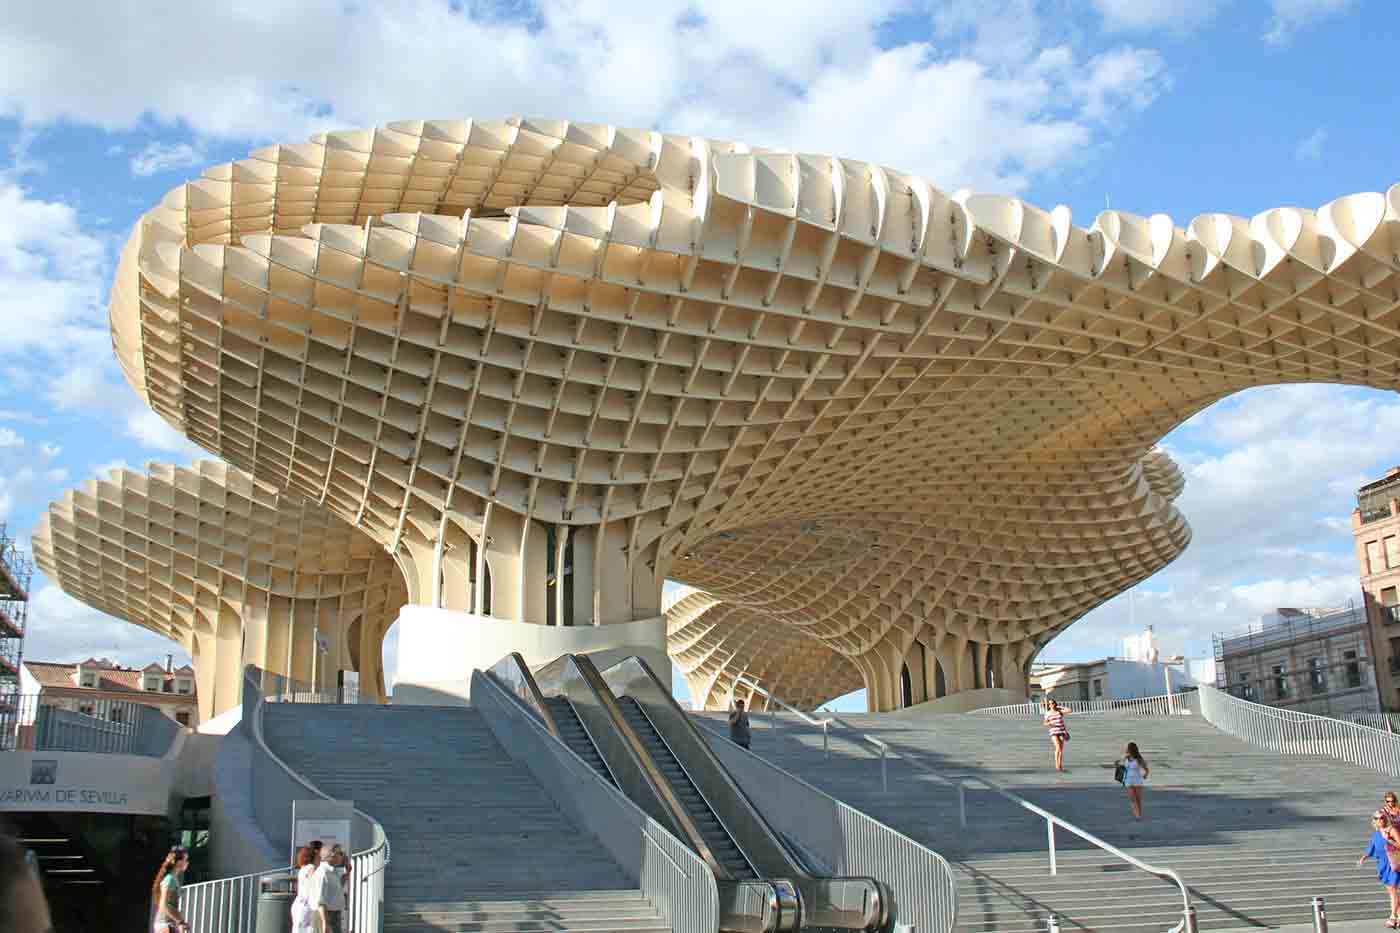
(85, 782)
(439, 649)
(966, 701)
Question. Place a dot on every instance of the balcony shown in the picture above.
(1374, 515)
(1390, 615)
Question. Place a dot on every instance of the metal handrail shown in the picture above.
(825, 724)
(1163, 704)
(1292, 732)
(1188, 913)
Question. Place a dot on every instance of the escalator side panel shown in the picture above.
(514, 676)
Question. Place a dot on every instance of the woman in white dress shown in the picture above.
(1135, 771)
(305, 908)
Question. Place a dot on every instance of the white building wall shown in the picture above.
(1130, 679)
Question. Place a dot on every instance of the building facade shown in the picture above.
(102, 689)
(1310, 660)
(1106, 679)
(1376, 530)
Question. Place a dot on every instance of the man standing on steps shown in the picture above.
(739, 725)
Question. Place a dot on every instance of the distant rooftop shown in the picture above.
(1291, 624)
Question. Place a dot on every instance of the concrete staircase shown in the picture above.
(1254, 834)
(477, 845)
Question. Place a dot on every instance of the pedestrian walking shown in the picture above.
(330, 887)
(1135, 771)
(305, 913)
(1383, 840)
(739, 725)
(1054, 720)
(23, 907)
(165, 893)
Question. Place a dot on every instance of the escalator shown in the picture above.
(569, 728)
(721, 843)
(626, 725)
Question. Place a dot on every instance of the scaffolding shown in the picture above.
(15, 573)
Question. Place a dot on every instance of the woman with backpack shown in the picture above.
(1054, 720)
(1133, 772)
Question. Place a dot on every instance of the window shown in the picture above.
(1280, 682)
(183, 719)
(1246, 688)
(183, 686)
(1317, 676)
(151, 683)
(1098, 688)
(1353, 669)
(87, 709)
(87, 679)
(1392, 552)
(1373, 557)
(1388, 596)
(118, 714)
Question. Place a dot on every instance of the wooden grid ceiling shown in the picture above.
(234, 570)
(858, 411)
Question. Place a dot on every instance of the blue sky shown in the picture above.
(1147, 105)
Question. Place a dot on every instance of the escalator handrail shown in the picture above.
(513, 675)
(709, 806)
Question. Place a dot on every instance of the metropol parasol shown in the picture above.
(500, 380)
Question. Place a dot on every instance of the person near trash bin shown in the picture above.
(1384, 837)
(306, 917)
(23, 907)
(165, 893)
(739, 725)
(330, 888)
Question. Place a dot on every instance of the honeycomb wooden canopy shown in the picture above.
(234, 570)
(869, 418)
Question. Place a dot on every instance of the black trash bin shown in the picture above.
(275, 906)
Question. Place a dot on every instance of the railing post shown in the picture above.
(1188, 921)
(826, 739)
(1052, 924)
(1319, 915)
(884, 772)
(1050, 833)
(962, 805)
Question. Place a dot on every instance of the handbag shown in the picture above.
(1120, 773)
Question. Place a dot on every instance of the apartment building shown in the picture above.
(1376, 527)
(101, 688)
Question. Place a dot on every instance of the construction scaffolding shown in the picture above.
(15, 572)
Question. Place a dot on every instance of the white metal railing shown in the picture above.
(229, 905)
(1167, 704)
(821, 723)
(1293, 733)
(961, 781)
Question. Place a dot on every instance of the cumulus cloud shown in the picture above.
(1271, 479)
(160, 157)
(979, 109)
(1289, 16)
(9, 438)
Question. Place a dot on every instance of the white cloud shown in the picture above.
(62, 629)
(1310, 149)
(1288, 16)
(152, 431)
(978, 109)
(160, 157)
(1271, 479)
(8, 438)
(1173, 16)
